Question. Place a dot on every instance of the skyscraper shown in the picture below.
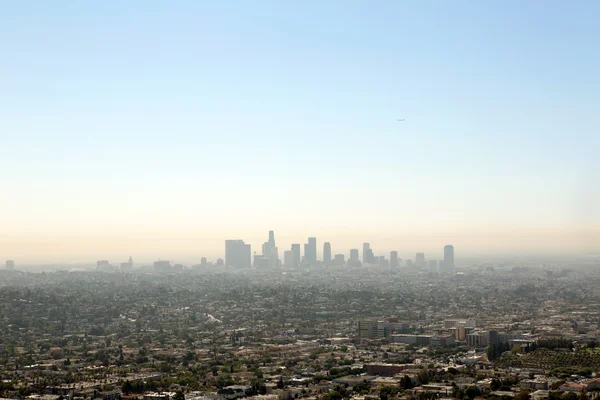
(237, 254)
(326, 252)
(353, 255)
(366, 253)
(296, 251)
(10, 265)
(420, 260)
(288, 258)
(270, 252)
(310, 251)
(393, 259)
(448, 257)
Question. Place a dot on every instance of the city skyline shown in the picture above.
(122, 139)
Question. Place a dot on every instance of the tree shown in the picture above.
(406, 382)
(472, 392)
(179, 395)
(423, 377)
(522, 395)
(280, 384)
(495, 384)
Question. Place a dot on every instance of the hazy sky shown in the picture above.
(158, 129)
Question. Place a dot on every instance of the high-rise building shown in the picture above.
(366, 252)
(296, 251)
(339, 259)
(393, 259)
(382, 261)
(289, 259)
(10, 265)
(353, 255)
(310, 251)
(326, 252)
(270, 252)
(449, 257)
(420, 260)
(237, 254)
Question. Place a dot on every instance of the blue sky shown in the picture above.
(222, 119)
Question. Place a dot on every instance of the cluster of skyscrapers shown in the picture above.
(239, 255)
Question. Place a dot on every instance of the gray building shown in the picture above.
(326, 252)
(310, 251)
(297, 256)
(449, 257)
(393, 259)
(237, 254)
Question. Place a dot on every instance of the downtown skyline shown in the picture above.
(122, 139)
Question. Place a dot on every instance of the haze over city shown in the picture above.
(155, 131)
(300, 200)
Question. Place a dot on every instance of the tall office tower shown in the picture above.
(310, 251)
(382, 261)
(237, 254)
(366, 252)
(339, 259)
(272, 238)
(296, 251)
(326, 253)
(10, 265)
(420, 260)
(270, 252)
(448, 257)
(289, 259)
(393, 259)
(353, 255)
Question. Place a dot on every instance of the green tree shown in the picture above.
(495, 384)
(472, 392)
(522, 395)
(179, 395)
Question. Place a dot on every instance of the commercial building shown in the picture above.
(162, 266)
(310, 251)
(10, 265)
(353, 260)
(443, 341)
(478, 339)
(326, 253)
(297, 255)
(420, 260)
(270, 251)
(237, 254)
(289, 259)
(393, 259)
(449, 257)
(381, 329)
(339, 259)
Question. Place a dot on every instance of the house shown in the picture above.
(572, 387)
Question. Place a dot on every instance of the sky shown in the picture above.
(160, 129)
